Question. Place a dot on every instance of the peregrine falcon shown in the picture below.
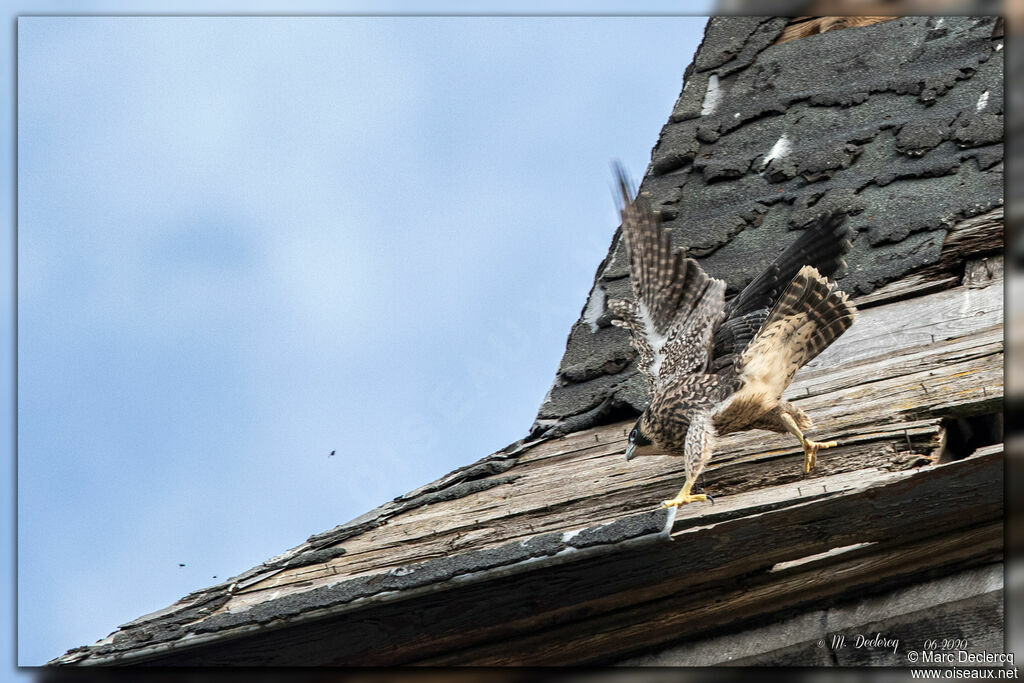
(714, 367)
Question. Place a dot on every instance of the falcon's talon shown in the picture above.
(811, 452)
(684, 500)
(810, 447)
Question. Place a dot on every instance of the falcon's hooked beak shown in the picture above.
(638, 443)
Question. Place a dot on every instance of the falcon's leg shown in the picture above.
(697, 450)
(810, 447)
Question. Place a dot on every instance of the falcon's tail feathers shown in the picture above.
(822, 302)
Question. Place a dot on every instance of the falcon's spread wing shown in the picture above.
(821, 245)
(677, 304)
(810, 315)
(770, 333)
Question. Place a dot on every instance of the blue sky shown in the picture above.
(246, 242)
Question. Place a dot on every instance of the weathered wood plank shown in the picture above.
(974, 237)
(702, 604)
(904, 288)
(983, 272)
(915, 322)
(750, 601)
(899, 363)
(908, 614)
(705, 607)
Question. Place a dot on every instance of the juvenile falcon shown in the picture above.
(717, 368)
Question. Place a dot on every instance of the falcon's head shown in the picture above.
(640, 442)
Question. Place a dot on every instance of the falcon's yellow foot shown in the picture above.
(685, 497)
(810, 447)
(811, 452)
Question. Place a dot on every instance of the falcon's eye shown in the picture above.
(632, 435)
